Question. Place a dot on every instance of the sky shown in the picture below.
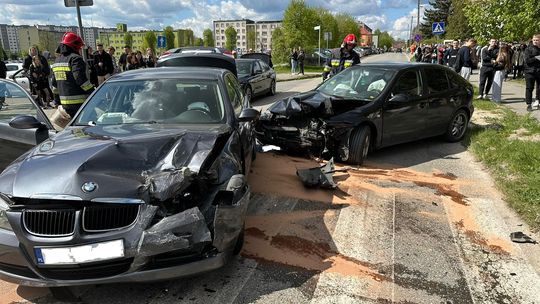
(393, 16)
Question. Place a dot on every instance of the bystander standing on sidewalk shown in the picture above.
(150, 59)
(301, 57)
(464, 64)
(518, 60)
(294, 60)
(122, 62)
(40, 82)
(450, 55)
(487, 72)
(502, 64)
(111, 51)
(3, 74)
(103, 64)
(532, 72)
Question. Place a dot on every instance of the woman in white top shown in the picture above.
(502, 64)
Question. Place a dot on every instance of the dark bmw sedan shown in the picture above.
(147, 182)
(371, 106)
(256, 77)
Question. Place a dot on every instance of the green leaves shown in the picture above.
(230, 36)
(208, 37)
(168, 32)
(150, 41)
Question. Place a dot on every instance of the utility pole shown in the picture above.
(418, 16)
(411, 29)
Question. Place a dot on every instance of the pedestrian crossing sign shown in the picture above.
(437, 28)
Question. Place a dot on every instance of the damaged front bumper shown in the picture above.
(178, 245)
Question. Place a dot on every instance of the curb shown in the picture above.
(308, 76)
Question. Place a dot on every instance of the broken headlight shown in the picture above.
(4, 206)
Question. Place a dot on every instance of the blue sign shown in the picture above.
(417, 37)
(161, 42)
(437, 28)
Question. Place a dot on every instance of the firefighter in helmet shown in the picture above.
(69, 79)
(342, 58)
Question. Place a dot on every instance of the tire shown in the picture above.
(64, 294)
(249, 93)
(457, 127)
(359, 145)
(239, 242)
(272, 90)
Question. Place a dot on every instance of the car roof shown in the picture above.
(215, 60)
(170, 72)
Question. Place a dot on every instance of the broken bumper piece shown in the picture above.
(318, 177)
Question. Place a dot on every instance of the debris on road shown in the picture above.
(520, 237)
(319, 176)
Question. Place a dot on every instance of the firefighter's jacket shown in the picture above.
(69, 78)
(339, 61)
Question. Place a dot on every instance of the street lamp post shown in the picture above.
(318, 28)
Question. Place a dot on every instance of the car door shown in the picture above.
(245, 129)
(15, 142)
(440, 100)
(405, 110)
(257, 80)
(267, 73)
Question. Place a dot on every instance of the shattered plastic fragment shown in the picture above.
(319, 176)
(520, 237)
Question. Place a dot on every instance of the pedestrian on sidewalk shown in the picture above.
(294, 60)
(111, 51)
(532, 72)
(301, 57)
(102, 64)
(518, 60)
(502, 64)
(487, 72)
(40, 82)
(450, 55)
(464, 63)
(3, 75)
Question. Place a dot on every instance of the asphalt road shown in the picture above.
(418, 223)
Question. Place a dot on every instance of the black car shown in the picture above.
(147, 182)
(196, 50)
(256, 75)
(371, 106)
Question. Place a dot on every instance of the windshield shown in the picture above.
(164, 101)
(243, 68)
(362, 83)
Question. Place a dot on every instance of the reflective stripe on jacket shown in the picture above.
(339, 61)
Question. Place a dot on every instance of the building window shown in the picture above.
(237, 24)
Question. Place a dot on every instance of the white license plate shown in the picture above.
(80, 254)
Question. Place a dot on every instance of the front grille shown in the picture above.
(94, 271)
(109, 217)
(49, 222)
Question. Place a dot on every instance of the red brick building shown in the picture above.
(366, 34)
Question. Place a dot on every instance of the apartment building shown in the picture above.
(9, 38)
(262, 38)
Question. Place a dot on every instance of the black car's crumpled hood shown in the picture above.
(123, 160)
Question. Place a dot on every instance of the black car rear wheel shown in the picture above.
(272, 90)
(458, 126)
(249, 93)
(359, 145)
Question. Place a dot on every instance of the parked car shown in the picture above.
(196, 50)
(20, 77)
(13, 67)
(255, 75)
(370, 106)
(147, 182)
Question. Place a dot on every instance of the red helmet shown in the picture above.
(73, 41)
(349, 39)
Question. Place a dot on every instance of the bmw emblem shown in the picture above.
(89, 187)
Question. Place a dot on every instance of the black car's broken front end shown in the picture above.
(122, 203)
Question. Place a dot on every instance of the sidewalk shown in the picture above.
(513, 95)
(289, 77)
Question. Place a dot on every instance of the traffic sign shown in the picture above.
(73, 3)
(437, 28)
(417, 37)
(161, 41)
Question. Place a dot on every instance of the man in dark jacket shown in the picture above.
(3, 74)
(69, 74)
(342, 58)
(464, 63)
(450, 55)
(122, 62)
(487, 72)
(103, 64)
(532, 72)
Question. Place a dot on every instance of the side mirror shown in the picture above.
(248, 114)
(399, 98)
(26, 122)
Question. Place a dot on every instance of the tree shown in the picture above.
(329, 24)
(251, 39)
(150, 41)
(198, 42)
(230, 36)
(128, 39)
(3, 55)
(510, 20)
(438, 13)
(208, 37)
(298, 23)
(347, 25)
(458, 24)
(385, 39)
(168, 32)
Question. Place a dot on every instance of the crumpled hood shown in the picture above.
(121, 160)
